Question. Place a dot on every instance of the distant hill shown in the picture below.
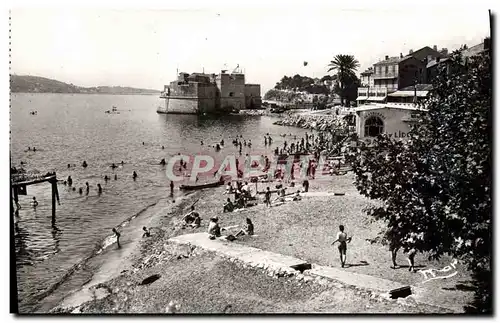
(37, 84)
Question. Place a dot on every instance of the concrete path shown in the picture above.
(281, 263)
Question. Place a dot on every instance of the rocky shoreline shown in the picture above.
(321, 122)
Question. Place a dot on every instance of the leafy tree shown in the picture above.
(346, 66)
(435, 188)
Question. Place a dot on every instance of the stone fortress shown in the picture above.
(201, 93)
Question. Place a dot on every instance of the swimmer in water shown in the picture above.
(163, 162)
(143, 143)
(99, 189)
(88, 188)
(122, 162)
(84, 164)
(70, 181)
(34, 149)
(29, 148)
(69, 166)
(113, 166)
(80, 191)
(146, 232)
(106, 178)
(134, 175)
(202, 142)
(34, 203)
(116, 177)
(162, 147)
(74, 189)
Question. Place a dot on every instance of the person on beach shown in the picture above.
(248, 230)
(146, 233)
(190, 216)
(99, 189)
(229, 188)
(228, 206)
(196, 221)
(117, 234)
(267, 197)
(84, 164)
(342, 239)
(106, 178)
(134, 175)
(113, 166)
(70, 181)
(305, 185)
(34, 203)
(213, 228)
(163, 162)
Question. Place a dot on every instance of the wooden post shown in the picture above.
(54, 188)
(16, 198)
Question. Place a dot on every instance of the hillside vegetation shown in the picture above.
(37, 84)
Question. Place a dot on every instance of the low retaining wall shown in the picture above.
(316, 122)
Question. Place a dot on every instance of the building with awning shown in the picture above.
(393, 119)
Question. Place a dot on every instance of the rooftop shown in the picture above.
(392, 60)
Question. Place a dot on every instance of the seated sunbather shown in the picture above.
(228, 206)
(213, 228)
(197, 221)
(190, 217)
(248, 230)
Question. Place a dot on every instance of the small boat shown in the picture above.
(200, 186)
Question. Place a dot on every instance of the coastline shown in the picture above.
(106, 260)
(202, 281)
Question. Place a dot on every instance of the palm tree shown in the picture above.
(346, 66)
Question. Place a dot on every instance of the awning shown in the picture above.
(377, 98)
(402, 94)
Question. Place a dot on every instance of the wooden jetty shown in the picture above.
(19, 182)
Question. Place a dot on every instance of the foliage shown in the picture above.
(302, 84)
(436, 186)
(346, 66)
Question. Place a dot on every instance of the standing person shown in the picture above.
(305, 185)
(70, 181)
(88, 187)
(267, 198)
(134, 175)
(411, 253)
(99, 189)
(171, 188)
(342, 239)
(117, 234)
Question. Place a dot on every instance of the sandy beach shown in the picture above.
(203, 282)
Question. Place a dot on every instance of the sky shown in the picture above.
(145, 48)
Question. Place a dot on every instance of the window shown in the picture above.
(231, 93)
(373, 126)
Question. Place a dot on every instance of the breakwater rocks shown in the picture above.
(316, 122)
